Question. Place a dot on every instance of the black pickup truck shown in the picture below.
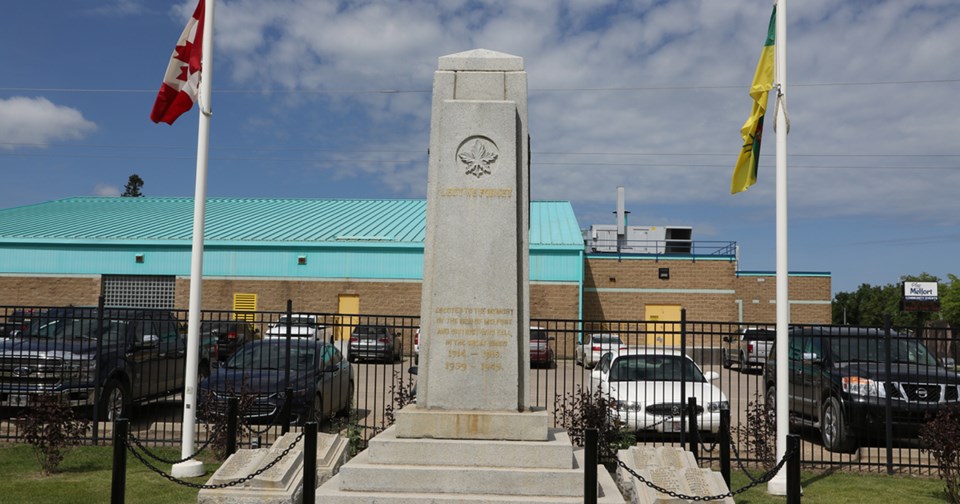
(128, 356)
(839, 383)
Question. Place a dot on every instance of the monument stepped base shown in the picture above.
(403, 470)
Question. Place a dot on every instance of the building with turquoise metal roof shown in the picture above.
(361, 256)
(322, 252)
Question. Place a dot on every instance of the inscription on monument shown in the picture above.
(474, 338)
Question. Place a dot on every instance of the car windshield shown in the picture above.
(759, 335)
(370, 331)
(873, 349)
(296, 321)
(268, 356)
(607, 339)
(654, 368)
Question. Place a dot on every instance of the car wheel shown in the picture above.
(203, 372)
(834, 431)
(348, 401)
(726, 361)
(770, 400)
(742, 362)
(114, 400)
(316, 410)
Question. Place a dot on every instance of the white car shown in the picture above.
(589, 352)
(302, 325)
(645, 384)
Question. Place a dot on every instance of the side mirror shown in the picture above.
(711, 375)
(412, 370)
(149, 341)
(551, 338)
(727, 339)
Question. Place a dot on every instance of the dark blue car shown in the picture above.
(320, 377)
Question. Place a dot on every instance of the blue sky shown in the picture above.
(318, 99)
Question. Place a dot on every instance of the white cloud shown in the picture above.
(37, 121)
(106, 190)
(682, 142)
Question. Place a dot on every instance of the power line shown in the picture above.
(423, 151)
(396, 161)
(419, 91)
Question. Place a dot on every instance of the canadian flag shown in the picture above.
(181, 83)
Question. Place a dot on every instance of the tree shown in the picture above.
(869, 304)
(132, 189)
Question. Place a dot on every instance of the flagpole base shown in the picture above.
(778, 484)
(188, 469)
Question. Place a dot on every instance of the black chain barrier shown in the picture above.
(221, 485)
(703, 446)
(743, 468)
(148, 453)
(767, 476)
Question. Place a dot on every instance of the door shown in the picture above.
(347, 311)
(664, 329)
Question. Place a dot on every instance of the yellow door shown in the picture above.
(347, 312)
(665, 329)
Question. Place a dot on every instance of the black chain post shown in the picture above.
(310, 463)
(693, 429)
(793, 469)
(725, 445)
(119, 481)
(233, 411)
(590, 471)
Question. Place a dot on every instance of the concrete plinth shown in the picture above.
(414, 422)
(670, 468)
(282, 483)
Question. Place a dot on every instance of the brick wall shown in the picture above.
(620, 289)
(382, 298)
(49, 291)
(810, 298)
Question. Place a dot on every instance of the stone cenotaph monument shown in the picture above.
(472, 436)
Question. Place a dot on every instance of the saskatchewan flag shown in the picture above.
(745, 171)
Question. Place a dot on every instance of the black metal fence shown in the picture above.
(351, 373)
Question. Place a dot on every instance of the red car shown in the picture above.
(540, 352)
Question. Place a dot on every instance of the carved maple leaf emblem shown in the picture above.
(478, 160)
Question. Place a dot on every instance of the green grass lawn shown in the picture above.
(850, 487)
(85, 476)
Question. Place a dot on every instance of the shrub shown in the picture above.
(403, 394)
(759, 434)
(941, 437)
(582, 410)
(216, 420)
(51, 427)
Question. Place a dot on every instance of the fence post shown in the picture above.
(286, 403)
(309, 462)
(590, 471)
(119, 481)
(683, 374)
(888, 404)
(101, 301)
(693, 428)
(725, 445)
(285, 411)
(793, 469)
(233, 411)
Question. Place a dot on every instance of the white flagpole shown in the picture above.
(778, 485)
(193, 468)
